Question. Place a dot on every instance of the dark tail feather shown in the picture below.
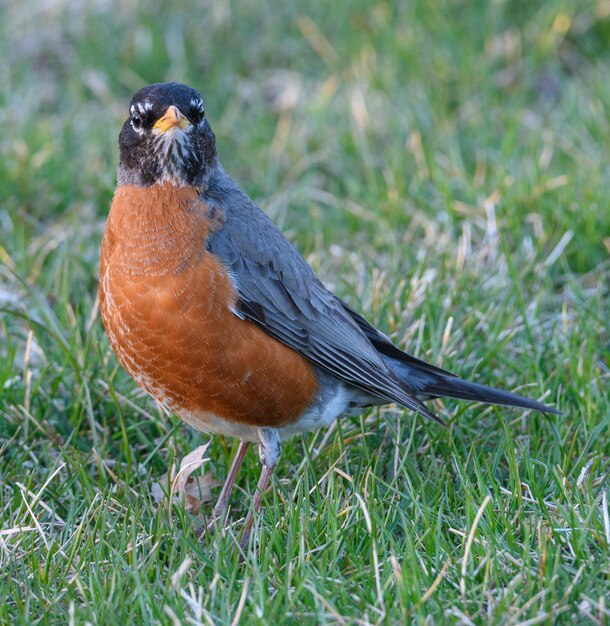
(465, 390)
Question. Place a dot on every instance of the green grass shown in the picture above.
(444, 166)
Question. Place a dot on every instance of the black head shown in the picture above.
(166, 139)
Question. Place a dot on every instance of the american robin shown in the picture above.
(215, 314)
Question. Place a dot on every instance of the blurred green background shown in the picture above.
(430, 107)
(444, 165)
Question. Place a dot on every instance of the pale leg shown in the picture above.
(269, 452)
(223, 499)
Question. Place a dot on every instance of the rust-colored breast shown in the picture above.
(166, 307)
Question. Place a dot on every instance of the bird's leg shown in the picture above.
(269, 452)
(223, 499)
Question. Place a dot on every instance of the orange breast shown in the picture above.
(166, 307)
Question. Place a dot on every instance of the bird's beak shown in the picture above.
(172, 118)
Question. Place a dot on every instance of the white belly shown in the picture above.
(322, 413)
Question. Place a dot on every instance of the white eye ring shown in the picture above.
(197, 112)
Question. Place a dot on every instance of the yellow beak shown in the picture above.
(172, 118)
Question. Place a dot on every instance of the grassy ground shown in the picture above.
(444, 166)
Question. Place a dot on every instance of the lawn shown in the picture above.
(445, 168)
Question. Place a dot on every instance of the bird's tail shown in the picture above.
(450, 387)
(426, 382)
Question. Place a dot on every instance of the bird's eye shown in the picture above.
(136, 121)
(197, 113)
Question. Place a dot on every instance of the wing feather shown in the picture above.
(279, 291)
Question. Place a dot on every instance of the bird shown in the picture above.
(216, 315)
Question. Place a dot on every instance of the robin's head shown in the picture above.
(166, 138)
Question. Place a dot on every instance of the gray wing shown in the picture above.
(279, 292)
(384, 345)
